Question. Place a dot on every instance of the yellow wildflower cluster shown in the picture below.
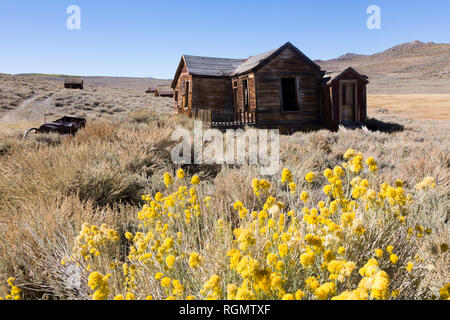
(99, 284)
(212, 288)
(445, 292)
(310, 176)
(286, 176)
(92, 240)
(287, 248)
(261, 187)
(14, 292)
(427, 183)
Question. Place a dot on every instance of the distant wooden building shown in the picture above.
(150, 90)
(282, 89)
(163, 92)
(74, 83)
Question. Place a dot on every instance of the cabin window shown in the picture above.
(246, 95)
(186, 97)
(235, 98)
(176, 96)
(289, 94)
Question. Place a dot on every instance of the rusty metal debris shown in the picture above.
(63, 126)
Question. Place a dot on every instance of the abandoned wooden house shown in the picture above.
(281, 89)
(74, 83)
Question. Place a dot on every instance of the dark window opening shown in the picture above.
(176, 95)
(186, 96)
(235, 98)
(289, 92)
(246, 95)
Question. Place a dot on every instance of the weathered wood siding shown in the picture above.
(327, 106)
(239, 104)
(212, 93)
(184, 76)
(268, 90)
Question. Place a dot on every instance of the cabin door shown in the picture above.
(348, 102)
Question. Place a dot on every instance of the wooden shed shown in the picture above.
(345, 98)
(74, 83)
(281, 89)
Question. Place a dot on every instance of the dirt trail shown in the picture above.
(30, 110)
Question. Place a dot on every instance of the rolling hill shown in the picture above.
(414, 67)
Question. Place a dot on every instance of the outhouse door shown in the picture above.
(348, 101)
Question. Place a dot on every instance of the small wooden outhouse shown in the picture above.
(345, 98)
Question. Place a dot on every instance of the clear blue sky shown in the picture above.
(147, 38)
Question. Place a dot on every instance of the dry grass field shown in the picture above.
(73, 223)
(413, 106)
(26, 101)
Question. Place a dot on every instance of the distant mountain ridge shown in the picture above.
(412, 67)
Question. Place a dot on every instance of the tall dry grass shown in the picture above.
(51, 185)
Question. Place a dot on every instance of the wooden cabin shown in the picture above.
(74, 83)
(281, 89)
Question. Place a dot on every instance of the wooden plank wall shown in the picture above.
(212, 92)
(327, 107)
(184, 76)
(240, 94)
(288, 64)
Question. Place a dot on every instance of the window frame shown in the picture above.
(297, 78)
(245, 94)
(186, 94)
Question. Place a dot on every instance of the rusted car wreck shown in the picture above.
(63, 126)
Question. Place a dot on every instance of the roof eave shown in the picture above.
(276, 53)
(178, 73)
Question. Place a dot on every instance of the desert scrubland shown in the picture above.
(106, 214)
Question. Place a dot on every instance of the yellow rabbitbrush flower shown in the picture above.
(445, 292)
(194, 260)
(288, 246)
(286, 176)
(310, 177)
(14, 291)
(325, 291)
(427, 183)
(99, 283)
(170, 261)
(168, 180)
(181, 174)
(195, 180)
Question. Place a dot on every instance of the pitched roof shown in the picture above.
(253, 62)
(336, 74)
(221, 67)
(206, 66)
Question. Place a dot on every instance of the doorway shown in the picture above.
(289, 94)
(348, 102)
